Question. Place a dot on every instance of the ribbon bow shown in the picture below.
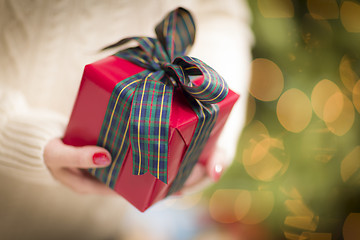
(140, 105)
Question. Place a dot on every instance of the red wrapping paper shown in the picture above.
(98, 82)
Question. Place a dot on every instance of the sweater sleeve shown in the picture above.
(24, 133)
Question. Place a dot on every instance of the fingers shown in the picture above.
(217, 164)
(64, 163)
(204, 175)
(81, 182)
(58, 154)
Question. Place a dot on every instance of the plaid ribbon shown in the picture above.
(138, 112)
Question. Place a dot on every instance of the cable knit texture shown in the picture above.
(44, 46)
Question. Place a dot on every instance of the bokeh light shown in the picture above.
(222, 205)
(276, 8)
(236, 205)
(350, 164)
(346, 117)
(243, 204)
(294, 110)
(347, 74)
(356, 96)
(351, 230)
(333, 107)
(255, 131)
(267, 81)
(320, 9)
(264, 158)
(315, 236)
(350, 16)
(301, 216)
(261, 206)
(321, 94)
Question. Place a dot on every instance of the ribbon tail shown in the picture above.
(114, 134)
(150, 113)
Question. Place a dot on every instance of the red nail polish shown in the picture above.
(101, 159)
(217, 172)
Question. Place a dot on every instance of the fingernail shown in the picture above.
(217, 172)
(101, 159)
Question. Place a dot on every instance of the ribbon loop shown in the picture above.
(213, 88)
(145, 113)
(176, 33)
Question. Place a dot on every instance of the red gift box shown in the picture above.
(98, 82)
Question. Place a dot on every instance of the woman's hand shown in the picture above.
(67, 164)
(205, 174)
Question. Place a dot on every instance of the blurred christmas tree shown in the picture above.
(298, 161)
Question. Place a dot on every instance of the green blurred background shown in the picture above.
(296, 173)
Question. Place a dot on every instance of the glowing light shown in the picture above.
(347, 75)
(320, 9)
(297, 207)
(243, 204)
(267, 80)
(276, 8)
(233, 205)
(262, 204)
(356, 96)
(346, 117)
(294, 110)
(302, 218)
(316, 236)
(321, 94)
(350, 164)
(254, 132)
(222, 205)
(333, 107)
(351, 230)
(350, 16)
(265, 159)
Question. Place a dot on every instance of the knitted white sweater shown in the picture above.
(44, 46)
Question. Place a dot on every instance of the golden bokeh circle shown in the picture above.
(315, 236)
(356, 96)
(243, 204)
(276, 8)
(346, 117)
(254, 131)
(222, 205)
(233, 205)
(264, 158)
(321, 94)
(294, 110)
(261, 206)
(333, 107)
(350, 16)
(347, 74)
(350, 164)
(320, 9)
(267, 81)
(351, 230)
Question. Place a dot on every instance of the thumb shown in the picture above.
(217, 164)
(58, 154)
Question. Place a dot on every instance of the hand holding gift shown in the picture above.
(144, 106)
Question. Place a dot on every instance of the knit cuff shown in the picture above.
(24, 132)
